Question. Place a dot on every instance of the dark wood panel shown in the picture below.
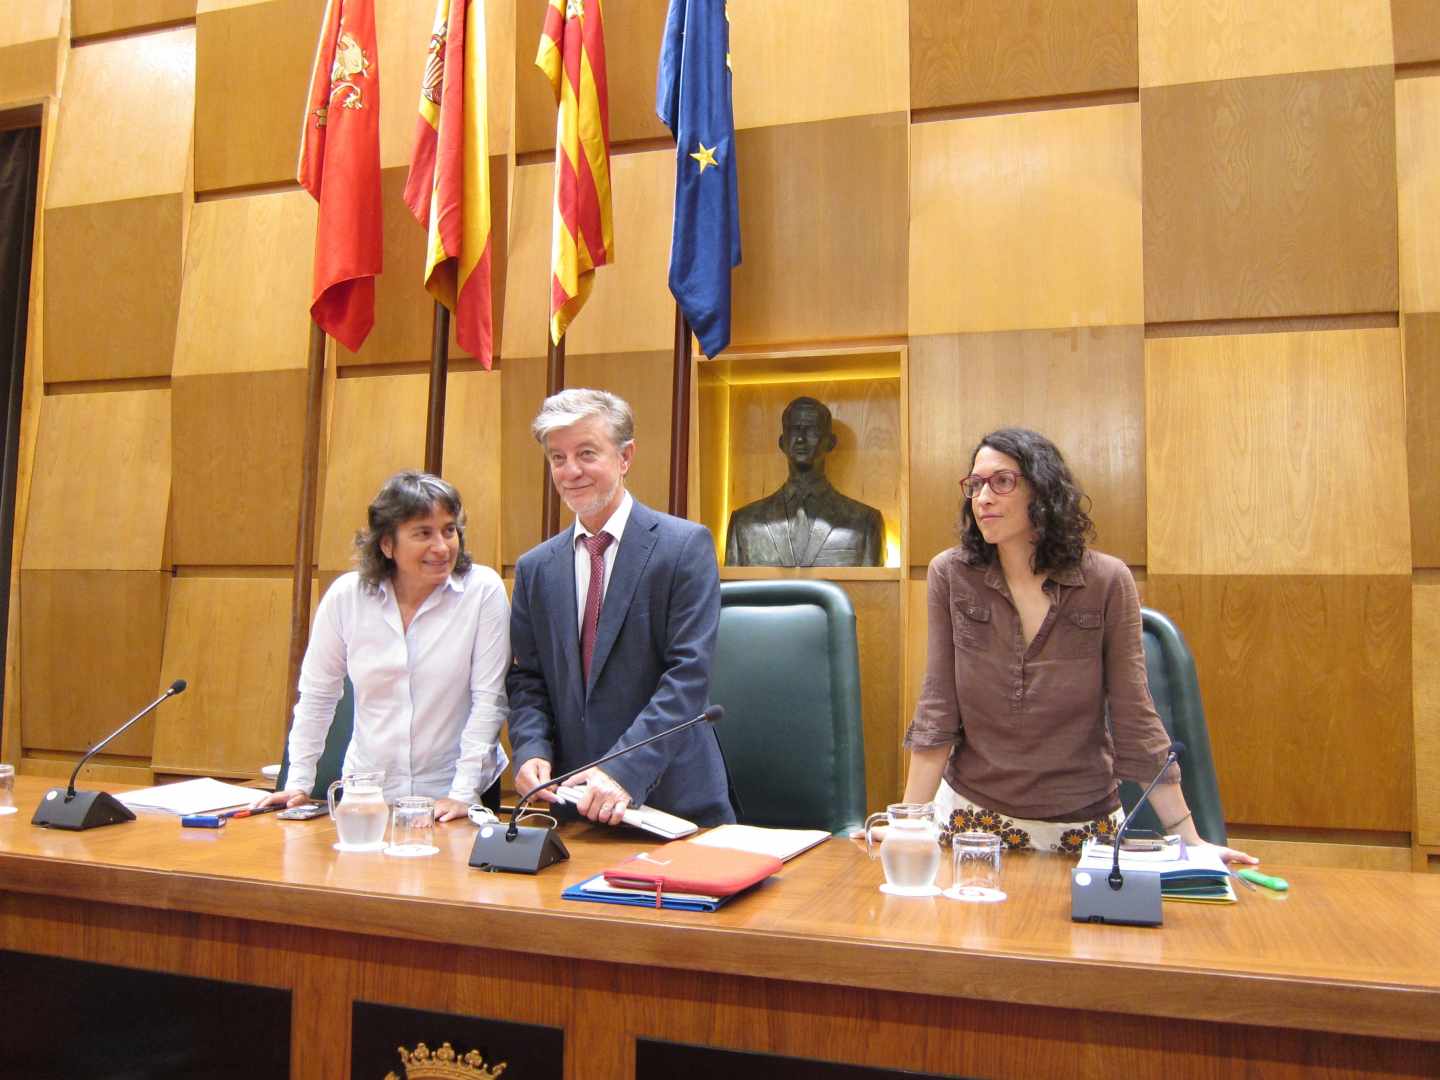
(975, 51)
(1422, 435)
(1307, 688)
(1416, 25)
(823, 231)
(1270, 196)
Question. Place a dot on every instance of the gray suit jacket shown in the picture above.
(650, 671)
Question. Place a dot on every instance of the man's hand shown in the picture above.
(448, 809)
(530, 776)
(288, 798)
(603, 799)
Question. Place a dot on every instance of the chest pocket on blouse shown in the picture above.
(1080, 633)
(971, 622)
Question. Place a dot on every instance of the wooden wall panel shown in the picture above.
(1253, 443)
(112, 287)
(472, 441)
(1306, 683)
(867, 464)
(252, 68)
(237, 474)
(646, 382)
(34, 41)
(1417, 154)
(823, 212)
(1026, 221)
(997, 50)
(101, 482)
(1185, 42)
(92, 17)
(89, 658)
(1084, 389)
(1416, 29)
(522, 465)
(1422, 435)
(633, 30)
(878, 630)
(527, 288)
(230, 638)
(710, 458)
(786, 73)
(1426, 646)
(1270, 196)
(242, 309)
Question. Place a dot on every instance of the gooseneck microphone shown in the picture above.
(529, 849)
(71, 809)
(1117, 879)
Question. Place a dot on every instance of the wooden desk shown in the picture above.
(1343, 973)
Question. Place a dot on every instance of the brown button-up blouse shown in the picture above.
(1028, 723)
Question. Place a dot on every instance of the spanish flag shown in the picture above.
(340, 166)
(448, 189)
(572, 55)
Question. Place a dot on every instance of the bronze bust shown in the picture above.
(807, 522)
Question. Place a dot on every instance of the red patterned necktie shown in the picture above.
(596, 546)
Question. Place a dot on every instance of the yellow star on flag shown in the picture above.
(705, 156)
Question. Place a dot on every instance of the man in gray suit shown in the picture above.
(613, 626)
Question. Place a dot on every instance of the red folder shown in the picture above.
(692, 868)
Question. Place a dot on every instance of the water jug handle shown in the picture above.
(330, 795)
(870, 822)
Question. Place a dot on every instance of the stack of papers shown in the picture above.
(639, 817)
(784, 844)
(1197, 876)
(190, 797)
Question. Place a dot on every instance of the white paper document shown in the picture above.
(784, 844)
(190, 797)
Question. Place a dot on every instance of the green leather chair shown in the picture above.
(332, 758)
(1175, 689)
(787, 671)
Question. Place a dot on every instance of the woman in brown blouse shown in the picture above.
(1031, 635)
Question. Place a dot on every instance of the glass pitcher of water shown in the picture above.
(910, 852)
(361, 815)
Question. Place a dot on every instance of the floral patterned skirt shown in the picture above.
(955, 813)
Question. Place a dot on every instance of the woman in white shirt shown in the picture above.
(424, 635)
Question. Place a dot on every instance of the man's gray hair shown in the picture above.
(569, 407)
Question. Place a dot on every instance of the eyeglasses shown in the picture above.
(1001, 481)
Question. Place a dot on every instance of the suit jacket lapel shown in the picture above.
(778, 526)
(636, 544)
(560, 580)
(819, 533)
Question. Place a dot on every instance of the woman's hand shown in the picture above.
(449, 809)
(1227, 854)
(289, 797)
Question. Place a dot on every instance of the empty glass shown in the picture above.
(412, 827)
(977, 868)
(7, 789)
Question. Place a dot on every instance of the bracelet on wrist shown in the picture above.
(1181, 821)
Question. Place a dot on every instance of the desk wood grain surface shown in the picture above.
(1344, 951)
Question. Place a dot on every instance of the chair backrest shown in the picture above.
(1175, 689)
(787, 671)
(332, 758)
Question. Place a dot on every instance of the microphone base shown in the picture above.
(83, 810)
(533, 849)
(1135, 903)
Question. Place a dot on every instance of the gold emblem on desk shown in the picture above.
(444, 1064)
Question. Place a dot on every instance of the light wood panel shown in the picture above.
(252, 67)
(1417, 160)
(1306, 682)
(34, 39)
(1185, 42)
(101, 482)
(867, 463)
(522, 465)
(1270, 196)
(881, 642)
(1426, 653)
(112, 287)
(1026, 221)
(230, 639)
(126, 118)
(472, 451)
(997, 50)
(242, 309)
(710, 458)
(89, 658)
(823, 210)
(787, 73)
(30, 20)
(916, 632)
(1253, 445)
(630, 309)
(1422, 435)
(645, 380)
(1416, 30)
(633, 30)
(237, 467)
(91, 17)
(1084, 389)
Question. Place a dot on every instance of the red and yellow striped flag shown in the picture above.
(448, 189)
(572, 54)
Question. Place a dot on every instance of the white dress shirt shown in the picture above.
(614, 526)
(429, 701)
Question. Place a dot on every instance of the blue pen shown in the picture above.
(202, 821)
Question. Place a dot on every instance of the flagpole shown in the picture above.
(680, 424)
(439, 376)
(554, 383)
(305, 521)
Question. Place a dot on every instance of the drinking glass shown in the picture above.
(977, 868)
(412, 827)
(361, 817)
(7, 789)
(910, 852)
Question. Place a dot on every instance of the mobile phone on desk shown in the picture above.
(304, 812)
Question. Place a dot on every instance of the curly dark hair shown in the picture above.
(405, 496)
(1057, 505)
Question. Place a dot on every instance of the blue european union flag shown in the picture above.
(692, 97)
